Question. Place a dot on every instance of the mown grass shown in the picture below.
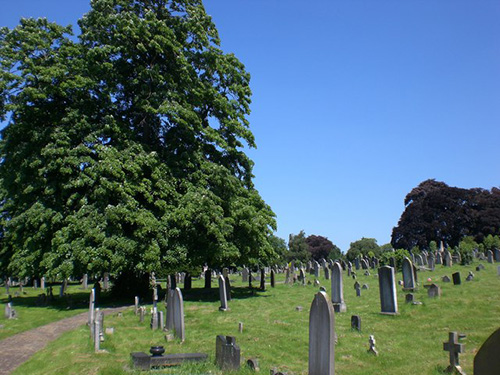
(277, 334)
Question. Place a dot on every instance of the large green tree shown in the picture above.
(123, 150)
(363, 247)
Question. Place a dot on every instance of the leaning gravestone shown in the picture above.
(321, 336)
(487, 359)
(222, 294)
(337, 288)
(387, 286)
(408, 275)
(178, 318)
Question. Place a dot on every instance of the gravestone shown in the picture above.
(433, 291)
(496, 255)
(456, 278)
(222, 294)
(35, 284)
(337, 286)
(445, 279)
(262, 279)
(327, 273)
(91, 309)
(321, 336)
(408, 275)
(439, 260)
(244, 275)
(409, 298)
(62, 289)
(42, 282)
(228, 287)
(142, 313)
(178, 317)
(287, 276)
(356, 322)
(316, 269)
(387, 287)
(136, 305)
(356, 263)
(85, 282)
(208, 279)
(470, 276)
(302, 276)
(454, 348)
(431, 262)
(170, 309)
(490, 256)
(447, 260)
(487, 359)
(272, 278)
(227, 353)
(10, 313)
(358, 291)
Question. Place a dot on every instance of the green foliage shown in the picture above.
(398, 256)
(363, 247)
(386, 247)
(123, 150)
(298, 248)
(433, 246)
(491, 242)
(280, 249)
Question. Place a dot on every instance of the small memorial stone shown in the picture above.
(433, 291)
(456, 278)
(253, 364)
(445, 279)
(356, 322)
(409, 298)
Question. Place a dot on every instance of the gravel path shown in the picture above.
(17, 349)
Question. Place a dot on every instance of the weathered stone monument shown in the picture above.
(222, 294)
(454, 348)
(356, 322)
(433, 291)
(227, 353)
(408, 275)
(387, 286)
(337, 285)
(321, 336)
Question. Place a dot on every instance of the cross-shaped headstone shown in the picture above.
(454, 348)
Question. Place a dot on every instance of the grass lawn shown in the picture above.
(277, 334)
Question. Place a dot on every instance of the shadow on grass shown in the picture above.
(71, 301)
(212, 294)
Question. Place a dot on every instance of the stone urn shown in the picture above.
(157, 351)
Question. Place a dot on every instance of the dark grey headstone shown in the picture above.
(487, 359)
(356, 322)
(227, 353)
(456, 278)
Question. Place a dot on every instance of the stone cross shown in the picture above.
(372, 349)
(454, 348)
(222, 294)
(321, 336)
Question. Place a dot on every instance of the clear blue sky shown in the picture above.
(355, 102)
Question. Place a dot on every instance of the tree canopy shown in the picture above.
(321, 247)
(437, 212)
(123, 149)
(363, 247)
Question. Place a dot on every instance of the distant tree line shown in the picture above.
(437, 212)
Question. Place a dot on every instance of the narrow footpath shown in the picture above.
(17, 349)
